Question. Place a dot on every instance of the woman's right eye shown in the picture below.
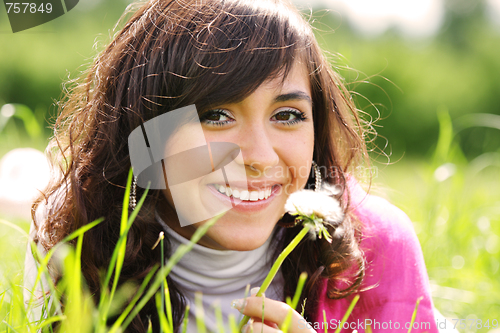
(216, 117)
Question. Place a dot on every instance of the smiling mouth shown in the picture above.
(244, 195)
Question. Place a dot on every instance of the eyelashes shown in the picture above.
(221, 117)
(289, 116)
(217, 117)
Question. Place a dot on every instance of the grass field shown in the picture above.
(457, 221)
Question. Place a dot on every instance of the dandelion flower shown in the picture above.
(307, 202)
(315, 209)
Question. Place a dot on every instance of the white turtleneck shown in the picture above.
(221, 276)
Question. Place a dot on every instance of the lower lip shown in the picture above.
(244, 205)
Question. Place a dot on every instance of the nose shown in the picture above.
(258, 148)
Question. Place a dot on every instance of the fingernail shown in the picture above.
(247, 327)
(238, 304)
(254, 290)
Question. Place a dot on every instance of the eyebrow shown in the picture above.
(295, 95)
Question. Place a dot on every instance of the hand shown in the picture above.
(274, 314)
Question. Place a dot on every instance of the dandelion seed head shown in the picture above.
(307, 202)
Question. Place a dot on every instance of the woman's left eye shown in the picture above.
(289, 117)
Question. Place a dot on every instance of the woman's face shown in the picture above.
(273, 128)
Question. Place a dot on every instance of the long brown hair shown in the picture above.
(173, 53)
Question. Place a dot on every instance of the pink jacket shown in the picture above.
(395, 267)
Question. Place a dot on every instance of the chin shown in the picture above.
(241, 238)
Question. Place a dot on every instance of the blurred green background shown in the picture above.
(434, 102)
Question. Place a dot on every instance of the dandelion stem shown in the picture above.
(276, 266)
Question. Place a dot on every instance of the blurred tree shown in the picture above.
(404, 81)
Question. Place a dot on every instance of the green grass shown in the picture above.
(457, 221)
(455, 208)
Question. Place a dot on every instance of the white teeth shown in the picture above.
(244, 194)
(254, 196)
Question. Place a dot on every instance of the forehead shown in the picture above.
(298, 78)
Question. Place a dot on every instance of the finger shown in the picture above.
(274, 311)
(267, 322)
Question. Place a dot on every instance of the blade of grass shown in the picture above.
(219, 320)
(298, 291)
(51, 304)
(49, 321)
(247, 293)
(11, 313)
(135, 299)
(15, 227)
(347, 313)
(164, 326)
(200, 314)
(45, 259)
(121, 248)
(43, 271)
(263, 308)
(75, 307)
(186, 319)
(414, 315)
(174, 259)
(232, 324)
(293, 303)
(168, 304)
(325, 322)
(302, 311)
(118, 256)
(150, 326)
(2, 299)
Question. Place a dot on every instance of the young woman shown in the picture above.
(252, 74)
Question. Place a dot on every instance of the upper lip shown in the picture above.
(251, 185)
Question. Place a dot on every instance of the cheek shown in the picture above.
(187, 137)
(298, 158)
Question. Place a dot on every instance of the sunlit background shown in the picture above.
(426, 73)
